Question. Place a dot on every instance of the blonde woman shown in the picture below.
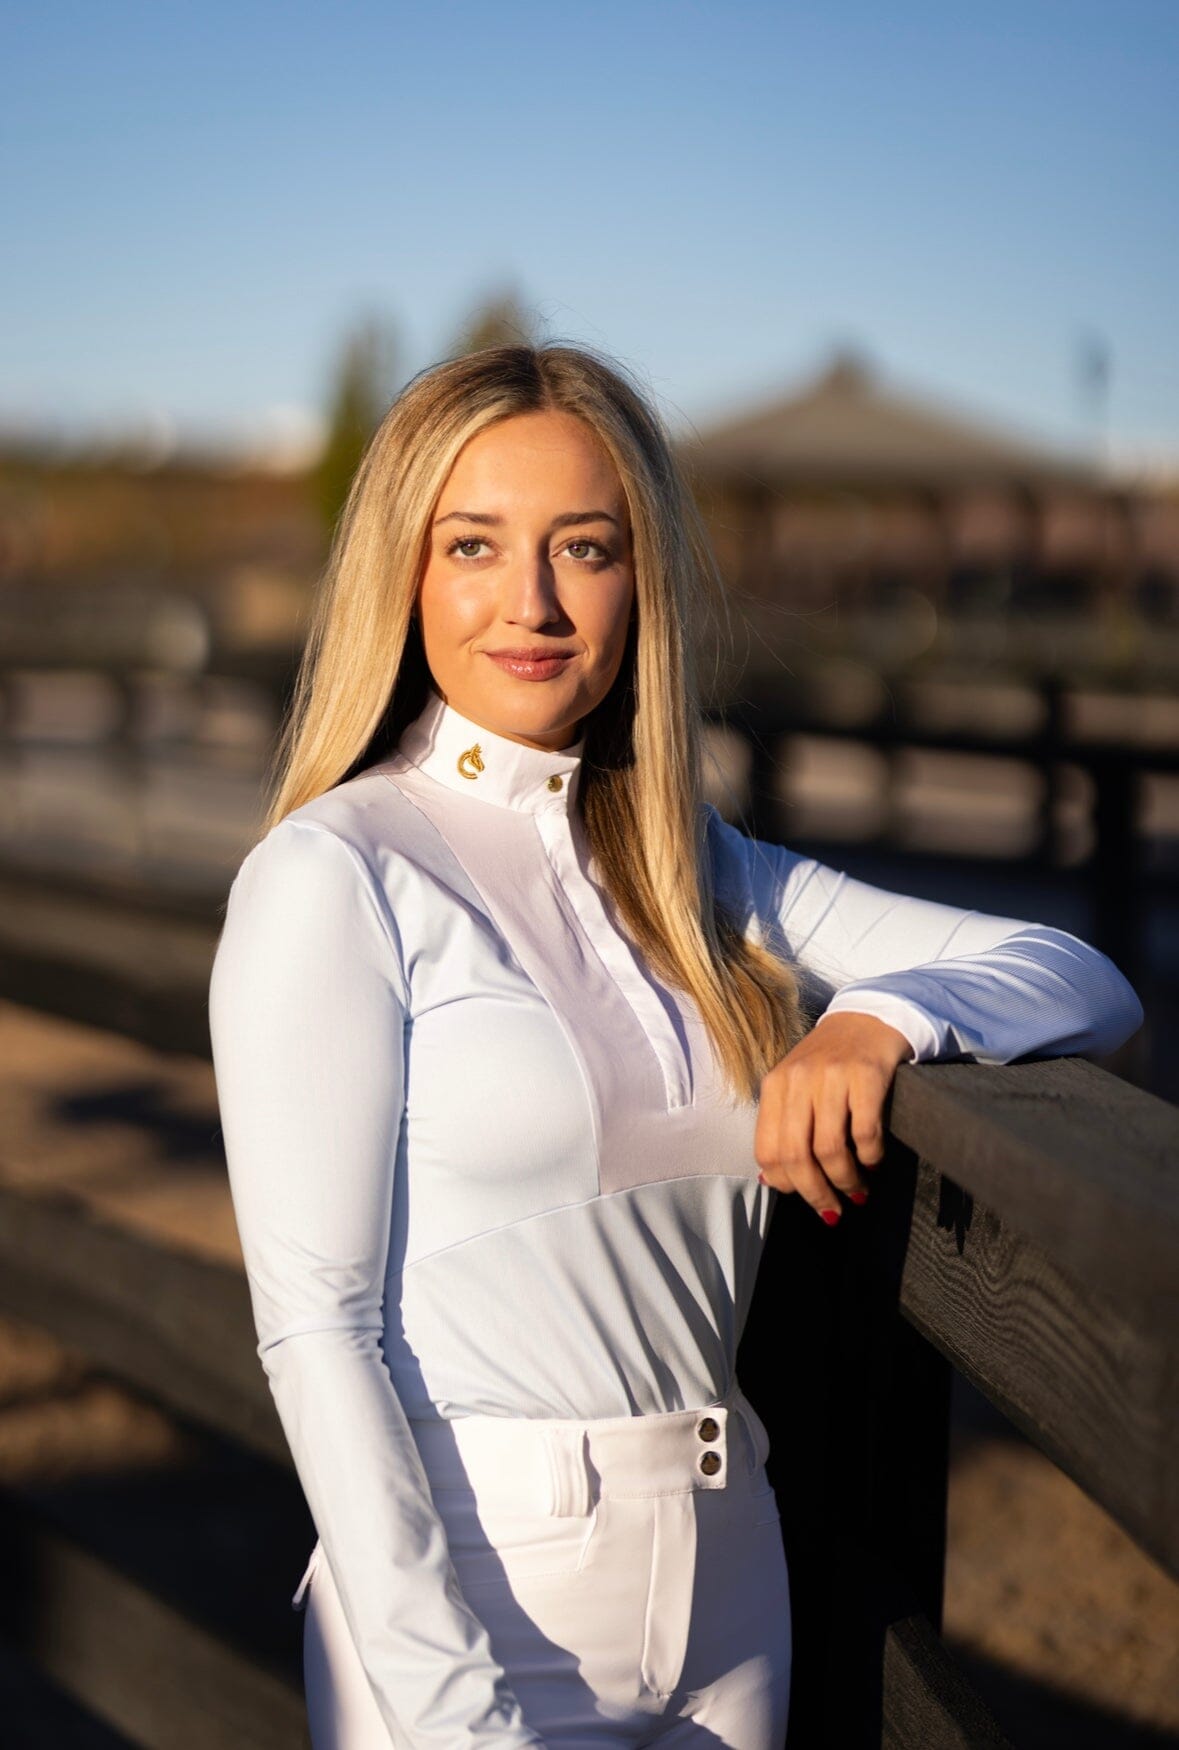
(516, 1040)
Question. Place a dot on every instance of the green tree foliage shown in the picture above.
(501, 320)
(361, 388)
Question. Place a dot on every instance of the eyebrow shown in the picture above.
(559, 522)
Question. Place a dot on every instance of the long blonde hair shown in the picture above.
(363, 675)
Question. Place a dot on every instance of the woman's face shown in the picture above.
(526, 594)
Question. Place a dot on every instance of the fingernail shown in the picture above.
(870, 1166)
(762, 1180)
(858, 1196)
(830, 1216)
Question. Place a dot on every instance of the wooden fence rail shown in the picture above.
(1023, 1228)
(145, 1668)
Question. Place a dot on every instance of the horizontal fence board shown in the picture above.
(888, 1679)
(107, 960)
(1079, 1161)
(177, 1328)
(113, 1002)
(145, 1668)
(928, 1703)
(117, 931)
(1094, 1387)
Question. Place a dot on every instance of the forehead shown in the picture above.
(532, 457)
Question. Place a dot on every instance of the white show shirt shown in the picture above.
(482, 1161)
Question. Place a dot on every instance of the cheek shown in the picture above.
(451, 607)
(600, 609)
(614, 615)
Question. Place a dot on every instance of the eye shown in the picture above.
(584, 541)
(598, 551)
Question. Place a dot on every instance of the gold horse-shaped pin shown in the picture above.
(471, 758)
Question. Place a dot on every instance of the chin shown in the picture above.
(559, 729)
(538, 702)
(536, 718)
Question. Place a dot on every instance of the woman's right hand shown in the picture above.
(836, 1080)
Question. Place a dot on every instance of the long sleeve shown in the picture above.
(307, 1010)
(954, 982)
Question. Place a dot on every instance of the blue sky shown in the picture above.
(198, 199)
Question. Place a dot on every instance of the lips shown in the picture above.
(535, 664)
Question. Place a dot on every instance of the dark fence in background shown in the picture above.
(1115, 873)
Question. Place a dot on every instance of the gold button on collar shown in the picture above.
(555, 781)
(470, 762)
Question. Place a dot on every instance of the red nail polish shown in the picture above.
(858, 1196)
(830, 1216)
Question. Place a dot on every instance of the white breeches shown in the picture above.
(630, 1573)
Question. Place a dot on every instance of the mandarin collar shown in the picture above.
(477, 762)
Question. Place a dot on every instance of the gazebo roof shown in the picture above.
(846, 429)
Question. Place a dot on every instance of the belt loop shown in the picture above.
(569, 1471)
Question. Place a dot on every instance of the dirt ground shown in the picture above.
(1066, 1627)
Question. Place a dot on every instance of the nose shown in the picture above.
(529, 594)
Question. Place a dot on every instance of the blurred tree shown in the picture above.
(501, 320)
(361, 388)
(1093, 374)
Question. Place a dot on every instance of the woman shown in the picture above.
(514, 1039)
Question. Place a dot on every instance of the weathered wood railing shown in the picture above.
(1023, 1228)
(178, 1330)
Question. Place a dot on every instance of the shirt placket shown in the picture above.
(654, 1009)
